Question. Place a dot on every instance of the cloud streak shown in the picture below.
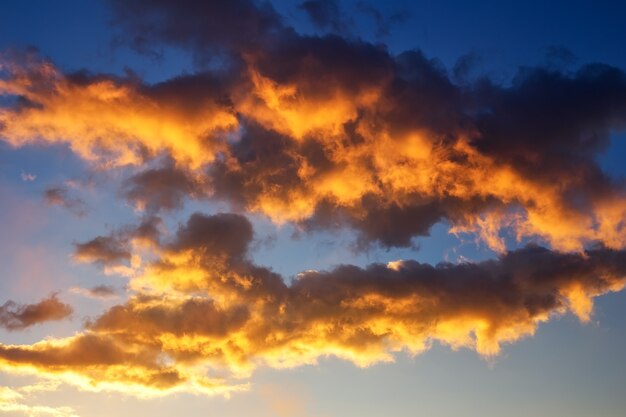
(60, 196)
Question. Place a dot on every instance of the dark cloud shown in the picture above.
(205, 27)
(60, 196)
(584, 107)
(15, 316)
(193, 316)
(383, 23)
(465, 65)
(148, 231)
(163, 188)
(191, 92)
(116, 248)
(99, 291)
(390, 226)
(220, 234)
(330, 15)
(551, 125)
(325, 14)
(103, 291)
(105, 250)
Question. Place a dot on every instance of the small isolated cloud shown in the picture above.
(100, 291)
(28, 177)
(15, 316)
(60, 196)
(105, 250)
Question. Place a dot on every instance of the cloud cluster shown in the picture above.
(203, 316)
(329, 131)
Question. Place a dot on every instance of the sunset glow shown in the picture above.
(242, 197)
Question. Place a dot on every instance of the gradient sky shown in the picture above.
(180, 183)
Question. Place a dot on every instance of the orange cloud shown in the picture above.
(326, 150)
(203, 316)
(106, 120)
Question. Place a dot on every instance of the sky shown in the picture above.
(312, 208)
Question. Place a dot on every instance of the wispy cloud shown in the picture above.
(28, 177)
(60, 196)
(14, 401)
(99, 291)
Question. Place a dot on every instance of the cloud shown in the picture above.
(325, 14)
(223, 234)
(28, 177)
(99, 291)
(59, 196)
(162, 188)
(203, 315)
(108, 120)
(116, 248)
(15, 316)
(105, 250)
(12, 401)
(208, 28)
(383, 23)
(379, 136)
